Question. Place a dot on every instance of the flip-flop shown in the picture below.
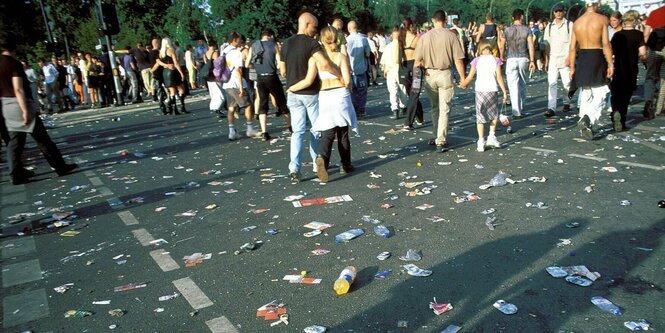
(414, 270)
(383, 256)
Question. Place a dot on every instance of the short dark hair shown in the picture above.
(176, 43)
(456, 21)
(439, 15)
(212, 43)
(267, 32)
(517, 14)
(128, 48)
(235, 35)
(7, 43)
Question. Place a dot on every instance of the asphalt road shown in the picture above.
(176, 164)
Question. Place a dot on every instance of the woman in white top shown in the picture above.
(390, 64)
(191, 67)
(336, 112)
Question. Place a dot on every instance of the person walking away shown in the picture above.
(591, 66)
(373, 57)
(654, 35)
(489, 31)
(517, 41)
(51, 86)
(390, 63)
(19, 112)
(172, 75)
(143, 72)
(131, 69)
(488, 69)
(303, 104)
(359, 52)
(214, 87)
(236, 89)
(157, 83)
(627, 46)
(336, 114)
(409, 39)
(557, 38)
(180, 53)
(264, 55)
(437, 51)
(191, 66)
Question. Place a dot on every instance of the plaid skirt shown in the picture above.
(487, 108)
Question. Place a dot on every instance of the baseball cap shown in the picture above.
(558, 7)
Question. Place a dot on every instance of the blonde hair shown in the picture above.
(631, 16)
(482, 45)
(328, 37)
(166, 45)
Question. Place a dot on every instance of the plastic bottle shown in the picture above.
(348, 235)
(346, 278)
(383, 231)
(605, 305)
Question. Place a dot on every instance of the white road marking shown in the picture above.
(640, 165)
(105, 191)
(164, 260)
(540, 149)
(128, 218)
(143, 236)
(88, 173)
(192, 293)
(96, 181)
(598, 159)
(221, 325)
(654, 146)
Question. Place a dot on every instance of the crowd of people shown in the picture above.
(328, 73)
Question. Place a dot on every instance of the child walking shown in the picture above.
(488, 68)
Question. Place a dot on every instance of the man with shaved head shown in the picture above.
(303, 104)
(358, 48)
(591, 65)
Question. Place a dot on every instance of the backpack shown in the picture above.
(220, 70)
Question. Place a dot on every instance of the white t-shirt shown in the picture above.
(486, 66)
(188, 59)
(233, 61)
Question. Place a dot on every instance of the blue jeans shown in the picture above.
(301, 107)
(359, 94)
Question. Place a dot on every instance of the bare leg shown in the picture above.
(481, 130)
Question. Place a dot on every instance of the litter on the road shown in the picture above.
(452, 328)
(77, 314)
(196, 258)
(63, 288)
(402, 324)
(321, 201)
(411, 255)
(382, 231)
(117, 312)
(414, 270)
(301, 279)
(271, 311)
(384, 274)
(130, 286)
(344, 281)
(505, 308)
(314, 329)
(106, 302)
(638, 325)
(168, 297)
(320, 251)
(578, 280)
(490, 222)
(348, 235)
(425, 206)
(383, 256)
(312, 233)
(605, 305)
(318, 225)
(440, 308)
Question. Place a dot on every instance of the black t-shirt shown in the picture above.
(10, 68)
(154, 55)
(625, 46)
(141, 56)
(296, 52)
(265, 50)
(62, 75)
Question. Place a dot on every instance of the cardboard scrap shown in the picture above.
(321, 201)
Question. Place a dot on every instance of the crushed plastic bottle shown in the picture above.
(411, 255)
(383, 231)
(348, 235)
(638, 325)
(605, 305)
(506, 308)
(344, 281)
(500, 179)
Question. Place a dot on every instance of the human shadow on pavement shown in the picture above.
(504, 269)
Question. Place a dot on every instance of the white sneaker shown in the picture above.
(493, 142)
(481, 145)
(233, 135)
(252, 133)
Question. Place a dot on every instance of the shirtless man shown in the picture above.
(594, 65)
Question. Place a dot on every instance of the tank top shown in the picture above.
(516, 41)
(325, 75)
(489, 31)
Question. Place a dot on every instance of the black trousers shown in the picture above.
(270, 85)
(622, 88)
(343, 145)
(17, 145)
(414, 108)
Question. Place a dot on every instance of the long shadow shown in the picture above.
(495, 270)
